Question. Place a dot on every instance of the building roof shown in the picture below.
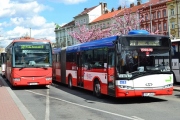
(107, 15)
(72, 23)
(133, 9)
(119, 12)
(86, 10)
(154, 2)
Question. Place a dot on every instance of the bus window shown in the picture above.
(111, 58)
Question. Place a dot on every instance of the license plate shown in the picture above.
(33, 83)
(148, 94)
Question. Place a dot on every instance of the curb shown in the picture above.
(177, 87)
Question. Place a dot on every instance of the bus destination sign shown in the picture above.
(32, 46)
(144, 43)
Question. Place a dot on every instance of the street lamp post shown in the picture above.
(150, 18)
(30, 33)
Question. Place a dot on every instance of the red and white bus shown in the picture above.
(137, 64)
(29, 62)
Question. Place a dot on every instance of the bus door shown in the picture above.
(110, 72)
(63, 66)
(80, 74)
(175, 61)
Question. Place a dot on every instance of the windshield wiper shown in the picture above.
(24, 66)
(41, 66)
(21, 68)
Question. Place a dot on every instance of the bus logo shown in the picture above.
(122, 81)
(32, 78)
(148, 84)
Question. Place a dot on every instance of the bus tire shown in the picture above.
(97, 89)
(70, 82)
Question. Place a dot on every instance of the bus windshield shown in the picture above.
(141, 56)
(32, 54)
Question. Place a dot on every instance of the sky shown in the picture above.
(37, 18)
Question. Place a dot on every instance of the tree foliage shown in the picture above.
(120, 24)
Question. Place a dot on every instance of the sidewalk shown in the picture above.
(11, 108)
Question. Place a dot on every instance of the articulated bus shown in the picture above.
(176, 59)
(3, 65)
(137, 64)
(29, 62)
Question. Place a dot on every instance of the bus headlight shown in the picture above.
(128, 75)
(16, 79)
(168, 85)
(49, 78)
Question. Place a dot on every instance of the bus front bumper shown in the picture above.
(28, 81)
(143, 93)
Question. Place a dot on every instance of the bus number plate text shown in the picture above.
(148, 94)
(33, 83)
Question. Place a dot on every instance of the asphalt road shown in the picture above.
(59, 102)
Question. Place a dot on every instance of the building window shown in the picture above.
(108, 24)
(146, 17)
(172, 11)
(159, 27)
(172, 25)
(154, 15)
(165, 26)
(104, 26)
(84, 20)
(153, 28)
(151, 17)
(159, 14)
(164, 13)
(100, 26)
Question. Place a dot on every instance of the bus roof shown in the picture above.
(175, 40)
(104, 42)
(27, 39)
(138, 32)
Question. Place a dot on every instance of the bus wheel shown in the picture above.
(97, 89)
(70, 82)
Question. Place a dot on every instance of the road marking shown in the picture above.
(47, 106)
(111, 113)
(137, 118)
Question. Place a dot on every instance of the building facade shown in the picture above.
(63, 38)
(174, 18)
(161, 15)
(155, 14)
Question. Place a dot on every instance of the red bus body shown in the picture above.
(26, 73)
(70, 67)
